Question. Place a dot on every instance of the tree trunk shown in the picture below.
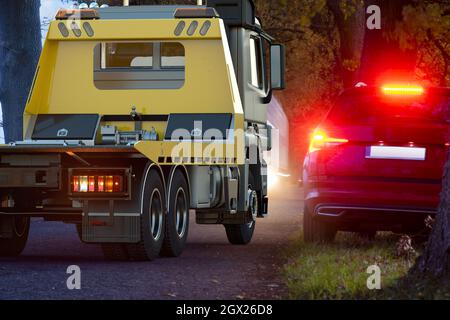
(351, 34)
(435, 261)
(382, 59)
(20, 45)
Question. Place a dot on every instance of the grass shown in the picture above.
(339, 270)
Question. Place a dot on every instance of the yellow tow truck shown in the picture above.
(139, 115)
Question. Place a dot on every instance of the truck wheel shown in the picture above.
(152, 221)
(315, 230)
(115, 251)
(242, 234)
(177, 220)
(12, 247)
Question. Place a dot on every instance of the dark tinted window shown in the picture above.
(65, 127)
(198, 126)
(367, 107)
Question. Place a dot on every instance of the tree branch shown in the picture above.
(438, 45)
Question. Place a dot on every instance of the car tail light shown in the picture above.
(320, 139)
(403, 90)
(99, 182)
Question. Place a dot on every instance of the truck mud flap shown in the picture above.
(98, 228)
(206, 217)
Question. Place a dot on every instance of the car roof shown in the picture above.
(370, 90)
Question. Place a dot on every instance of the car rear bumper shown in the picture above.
(383, 205)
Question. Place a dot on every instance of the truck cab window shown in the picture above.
(172, 55)
(139, 65)
(256, 61)
(126, 55)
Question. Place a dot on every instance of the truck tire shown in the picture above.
(115, 251)
(177, 220)
(242, 234)
(13, 247)
(315, 230)
(152, 221)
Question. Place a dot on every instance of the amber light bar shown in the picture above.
(94, 183)
(188, 13)
(403, 90)
(82, 14)
(101, 183)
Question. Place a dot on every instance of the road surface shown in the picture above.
(209, 268)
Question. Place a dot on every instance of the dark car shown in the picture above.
(376, 162)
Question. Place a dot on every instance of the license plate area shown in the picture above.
(396, 153)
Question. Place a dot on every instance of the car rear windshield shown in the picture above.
(369, 107)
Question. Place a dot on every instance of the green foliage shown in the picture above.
(349, 7)
(307, 29)
(338, 270)
(426, 28)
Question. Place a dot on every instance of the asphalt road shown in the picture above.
(209, 268)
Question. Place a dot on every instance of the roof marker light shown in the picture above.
(403, 90)
(77, 14)
(191, 13)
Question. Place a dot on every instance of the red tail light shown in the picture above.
(403, 90)
(88, 184)
(320, 139)
(99, 182)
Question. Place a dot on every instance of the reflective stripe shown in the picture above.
(116, 214)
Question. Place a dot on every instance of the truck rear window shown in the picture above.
(127, 55)
(373, 107)
(139, 65)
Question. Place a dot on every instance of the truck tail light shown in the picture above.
(320, 139)
(100, 182)
(89, 184)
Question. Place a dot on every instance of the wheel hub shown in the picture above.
(156, 214)
(181, 212)
(253, 204)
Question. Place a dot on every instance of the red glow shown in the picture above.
(320, 139)
(403, 90)
(91, 184)
(117, 183)
(101, 184)
(76, 184)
